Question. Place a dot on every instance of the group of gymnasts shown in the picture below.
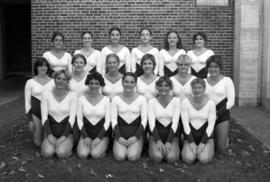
(171, 102)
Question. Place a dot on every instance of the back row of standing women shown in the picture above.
(129, 110)
(130, 62)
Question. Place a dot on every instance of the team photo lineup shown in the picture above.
(174, 104)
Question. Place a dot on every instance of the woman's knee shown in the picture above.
(156, 156)
(188, 157)
(82, 153)
(134, 156)
(96, 154)
(205, 158)
(119, 156)
(63, 152)
(172, 157)
(46, 150)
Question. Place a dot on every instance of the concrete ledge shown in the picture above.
(255, 121)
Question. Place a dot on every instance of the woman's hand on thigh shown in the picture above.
(95, 142)
(168, 147)
(87, 142)
(200, 148)
(132, 140)
(60, 140)
(161, 147)
(52, 140)
(193, 148)
(123, 141)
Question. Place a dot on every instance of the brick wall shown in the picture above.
(74, 16)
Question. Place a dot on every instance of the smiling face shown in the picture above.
(129, 84)
(94, 86)
(115, 36)
(61, 81)
(213, 69)
(199, 41)
(58, 42)
(42, 70)
(198, 90)
(87, 40)
(172, 39)
(163, 88)
(145, 36)
(183, 66)
(78, 64)
(148, 66)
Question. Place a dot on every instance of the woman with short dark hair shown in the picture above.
(221, 90)
(146, 82)
(93, 117)
(78, 75)
(34, 88)
(163, 119)
(199, 55)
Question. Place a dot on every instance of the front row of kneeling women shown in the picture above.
(128, 114)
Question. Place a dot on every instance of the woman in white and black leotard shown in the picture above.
(198, 115)
(58, 111)
(173, 48)
(58, 58)
(221, 90)
(181, 81)
(93, 56)
(163, 118)
(199, 55)
(77, 84)
(116, 48)
(113, 79)
(146, 83)
(145, 48)
(93, 117)
(129, 119)
(78, 75)
(33, 90)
